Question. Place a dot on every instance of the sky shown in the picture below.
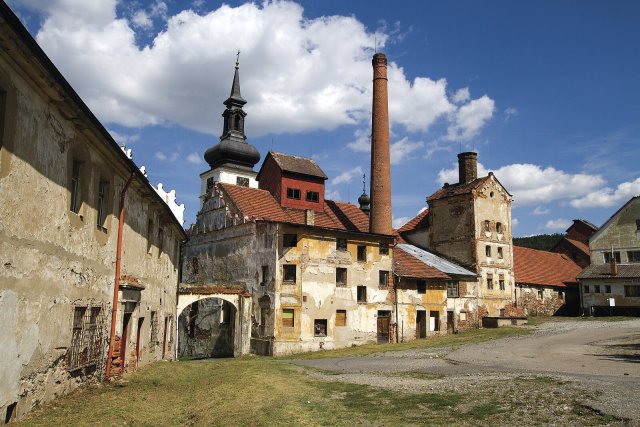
(547, 92)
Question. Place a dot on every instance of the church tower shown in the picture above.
(232, 159)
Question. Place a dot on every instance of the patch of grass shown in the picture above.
(450, 340)
(538, 320)
(487, 409)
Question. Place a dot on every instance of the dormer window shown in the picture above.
(293, 193)
(313, 196)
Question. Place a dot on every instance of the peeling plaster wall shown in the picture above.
(540, 300)
(410, 302)
(52, 259)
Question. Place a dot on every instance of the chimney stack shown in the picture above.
(467, 167)
(380, 187)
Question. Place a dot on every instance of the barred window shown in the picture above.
(87, 337)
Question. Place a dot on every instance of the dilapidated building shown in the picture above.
(63, 181)
(575, 244)
(611, 284)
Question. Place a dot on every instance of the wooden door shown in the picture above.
(421, 324)
(126, 318)
(450, 326)
(384, 322)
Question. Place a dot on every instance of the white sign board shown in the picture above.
(612, 302)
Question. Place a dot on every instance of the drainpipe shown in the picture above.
(116, 287)
(395, 291)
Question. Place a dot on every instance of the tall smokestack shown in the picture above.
(467, 167)
(380, 215)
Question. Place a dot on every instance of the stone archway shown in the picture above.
(206, 328)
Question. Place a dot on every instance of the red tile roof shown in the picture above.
(535, 267)
(579, 245)
(418, 222)
(406, 265)
(259, 204)
(299, 165)
(450, 190)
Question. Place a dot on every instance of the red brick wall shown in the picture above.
(271, 178)
(580, 232)
(304, 186)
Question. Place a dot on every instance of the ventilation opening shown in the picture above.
(11, 413)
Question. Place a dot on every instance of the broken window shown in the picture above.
(585, 288)
(633, 256)
(362, 253)
(341, 317)
(341, 276)
(242, 181)
(487, 251)
(265, 275)
(289, 273)
(103, 187)
(290, 240)
(287, 318)
(452, 289)
(499, 253)
(499, 227)
(362, 294)
(616, 256)
(86, 338)
(312, 196)
(76, 200)
(421, 285)
(293, 193)
(607, 289)
(341, 244)
(383, 249)
(320, 328)
(383, 279)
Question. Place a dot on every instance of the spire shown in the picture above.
(233, 148)
(364, 199)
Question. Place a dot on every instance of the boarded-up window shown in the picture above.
(287, 318)
(341, 276)
(320, 328)
(289, 272)
(341, 317)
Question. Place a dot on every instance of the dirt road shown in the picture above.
(602, 358)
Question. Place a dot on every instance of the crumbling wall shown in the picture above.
(206, 329)
(531, 304)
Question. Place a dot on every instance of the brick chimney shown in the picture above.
(467, 167)
(380, 187)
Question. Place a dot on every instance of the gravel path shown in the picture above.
(601, 358)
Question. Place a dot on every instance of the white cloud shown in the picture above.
(403, 148)
(558, 224)
(461, 96)
(514, 222)
(121, 138)
(317, 72)
(607, 197)
(530, 184)
(194, 158)
(399, 222)
(362, 143)
(470, 118)
(539, 210)
(509, 112)
(331, 194)
(347, 176)
(172, 157)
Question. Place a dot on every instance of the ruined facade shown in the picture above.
(61, 177)
(611, 284)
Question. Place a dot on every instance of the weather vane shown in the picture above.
(238, 58)
(364, 183)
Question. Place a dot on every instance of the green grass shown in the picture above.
(537, 320)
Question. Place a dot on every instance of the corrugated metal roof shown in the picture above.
(435, 261)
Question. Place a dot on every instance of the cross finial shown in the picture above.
(238, 59)
(364, 183)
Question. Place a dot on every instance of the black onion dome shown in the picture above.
(229, 151)
(364, 200)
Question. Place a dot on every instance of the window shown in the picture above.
(362, 253)
(421, 286)
(452, 289)
(265, 275)
(463, 316)
(489, 282)
(362, 294)
(290, 240)
(585, 289)
(103, 187)
(76, 201)
(596, 289)
(487, 251)
(312, 196)
(341, 244)
(540, 294)
(209, 185)
(149, 235)
(195, 265)
(501, 284)
(499, 227)
(242, 181)
(289, 271)
(633, 256)
(607, 257)
(86, 338)
(632, 291)
(293, 193)
(487, 227)
(160, 240)
(341, 276)
(637, 224)
(341, 317)
(499, 253)
(607, 289)
(383, 249)
(320, 328)
(287, 318)
(383, 279)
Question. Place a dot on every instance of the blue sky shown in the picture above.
(547, 92)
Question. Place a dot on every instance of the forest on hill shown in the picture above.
(543, 242)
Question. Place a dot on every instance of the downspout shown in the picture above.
(395, 291)
(116, 287)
